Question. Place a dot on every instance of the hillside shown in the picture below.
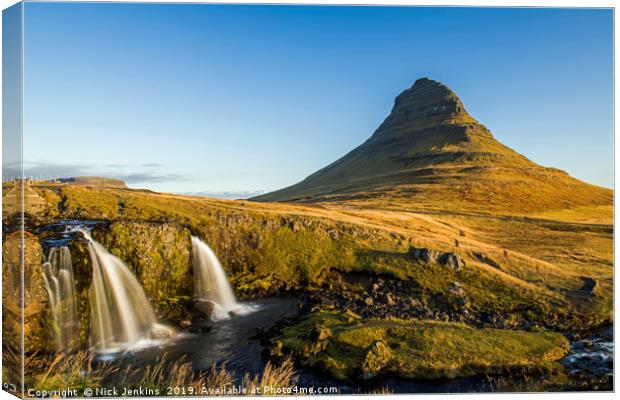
(430, 154)
(94, 181)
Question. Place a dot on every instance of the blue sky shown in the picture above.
(214, 99)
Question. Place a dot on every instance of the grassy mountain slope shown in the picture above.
(431, 154)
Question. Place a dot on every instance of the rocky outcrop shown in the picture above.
(34, 311)
(448, 259)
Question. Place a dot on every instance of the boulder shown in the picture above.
(203, 310)
(161, 332)
(378, 355)
(423, 254)
(448, 259)
(452, 260)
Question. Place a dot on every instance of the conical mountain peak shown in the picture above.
(428, 98)
(429, 152)
(426, 104)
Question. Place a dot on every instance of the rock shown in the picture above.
(423, 254)
(350, 316)
(462, 301)
(320, 333)
(185, 324)
(314, 348)
(456, 289)
(378, 354)
(175, 313)
(415, 303)
(449, 259)
(161, 332)
(203, 309)
(452, 260)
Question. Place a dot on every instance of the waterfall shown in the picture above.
(60, 286)
(121, 316)
(211, 283)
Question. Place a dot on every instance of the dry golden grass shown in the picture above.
(79, 371)
(273, 377)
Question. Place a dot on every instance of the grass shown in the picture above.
(79, 371)
(423, 349)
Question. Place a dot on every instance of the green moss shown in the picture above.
(424, 349)
(302, 256)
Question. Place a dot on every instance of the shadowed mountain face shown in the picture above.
(430, 153)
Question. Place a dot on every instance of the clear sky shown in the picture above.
(237, 99)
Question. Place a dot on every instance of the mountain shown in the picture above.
(94, 181)
(430, 153)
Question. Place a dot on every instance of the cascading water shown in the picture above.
(211, 283)
(60, 286)
(121, 316)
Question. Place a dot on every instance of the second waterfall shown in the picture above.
(211, 284)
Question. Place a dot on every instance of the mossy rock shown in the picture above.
(418, 349)
(378, 355)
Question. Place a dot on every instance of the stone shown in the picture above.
(423, 254)
(203, 309)
(377, 356)
(452, 260)
(320, 333)
(161, 332)
(415, 303)
(456, 289)
(448, 259)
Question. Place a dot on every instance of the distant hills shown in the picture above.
(94, 181)
(430, 153)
